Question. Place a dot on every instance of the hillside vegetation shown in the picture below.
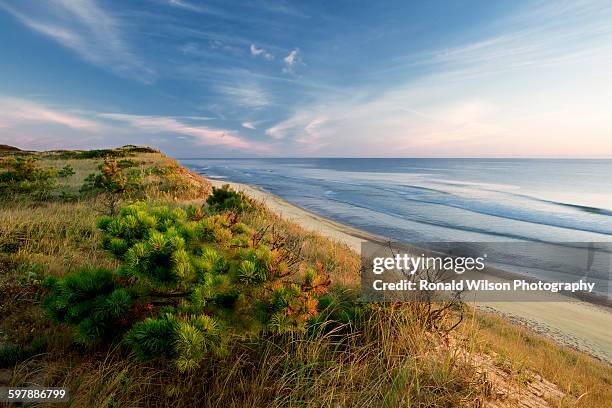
(130, 281)
(7, 148)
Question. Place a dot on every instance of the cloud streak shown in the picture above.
(27, 123)
(248, 95)
(14, 111)
(203, 135)
(511, 94)
(184, 5)
(85, 28)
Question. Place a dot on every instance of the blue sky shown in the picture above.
(316, 78)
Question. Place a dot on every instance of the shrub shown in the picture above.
(110, 179)
(95, 154)
(66, 171)
(68, 197)
(125, 151)
(91, 299)
(127, 163)
(11, 354)
(183, 289)
(224, 198)
(159, 171)
(112, 183)
(23, 176)
(139, 149)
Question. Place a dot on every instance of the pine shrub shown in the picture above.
(66, 171)
(110, 179)
(225, 198)
(21, 175)
(188, 284)
(112, 183)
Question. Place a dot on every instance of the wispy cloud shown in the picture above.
(296, 125)
(202, 118)
(387, 124)
(203, 135)
(545, 35)
(247, 95)
(515, 92)
(36, 125)
(306, 130)
(87, 29)
(14, 111)
(260, 52)
(185, 5)
(533, 80)
(291, 61)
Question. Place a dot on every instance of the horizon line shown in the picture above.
(402, 157)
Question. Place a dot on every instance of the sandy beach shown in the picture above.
(569, 321)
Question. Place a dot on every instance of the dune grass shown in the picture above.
(586, 381)
(385, 356)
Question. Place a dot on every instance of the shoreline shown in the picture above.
(569, 321)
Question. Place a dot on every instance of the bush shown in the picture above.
(110, 179)
(95, 154)
(125, 151)
(66, 171)
(11, 354)
(139, 149)
(68, 197)
(224, 198)
(128, 163)
(184, 288)
(91, 299)
(23, 176)
(112, 182)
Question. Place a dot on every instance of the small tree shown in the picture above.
(66, 171)
(111, 183)
(187, 284)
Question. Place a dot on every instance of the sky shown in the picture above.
(265, 78)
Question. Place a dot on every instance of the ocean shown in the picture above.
(440, 199)
(431, 200)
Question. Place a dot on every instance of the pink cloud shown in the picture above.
(205, 135)
(14, 111)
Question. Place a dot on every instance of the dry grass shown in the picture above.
(59, 235)
(334, 256)
(386, 357)
(385, 360)
(586, 381)
(62, 235)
